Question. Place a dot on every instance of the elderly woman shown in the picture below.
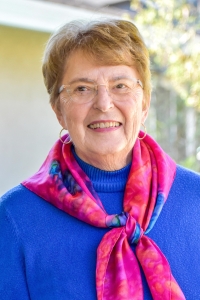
(109, 215)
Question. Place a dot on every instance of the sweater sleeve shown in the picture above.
(13, 284)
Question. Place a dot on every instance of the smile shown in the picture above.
(104, 125)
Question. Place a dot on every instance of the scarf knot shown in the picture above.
(132, 227)
(117, 220)
(133, 230)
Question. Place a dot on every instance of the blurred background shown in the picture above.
(28, 127)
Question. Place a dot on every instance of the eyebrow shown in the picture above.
(119, 77)
(83, 79)
(88, 80)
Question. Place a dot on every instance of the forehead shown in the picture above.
(81, 65)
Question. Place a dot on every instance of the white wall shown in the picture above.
(28, 127)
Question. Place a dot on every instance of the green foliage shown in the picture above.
(170, 30)
(191, 163)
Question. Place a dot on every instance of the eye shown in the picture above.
(81, 88)
(120, 86)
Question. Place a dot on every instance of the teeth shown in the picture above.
(104, 125)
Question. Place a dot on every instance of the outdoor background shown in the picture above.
(28, 127)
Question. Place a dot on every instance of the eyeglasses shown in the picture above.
(83, 92)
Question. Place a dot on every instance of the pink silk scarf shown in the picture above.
(63, 183)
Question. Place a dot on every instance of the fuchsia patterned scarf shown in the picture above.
(62, 182)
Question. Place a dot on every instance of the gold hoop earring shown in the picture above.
(145, 132)
(60, 137)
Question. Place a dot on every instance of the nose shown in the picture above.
(102, 100)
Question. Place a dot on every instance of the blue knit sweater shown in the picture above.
(45, 254)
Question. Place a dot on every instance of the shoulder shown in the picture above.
(184, 195)
(21, 206)
(187, 173)
(15, 192)
(15, 197)
(186, 179)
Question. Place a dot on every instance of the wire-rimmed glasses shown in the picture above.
(85, 91)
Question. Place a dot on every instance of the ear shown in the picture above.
(145, 109)
(59, 115)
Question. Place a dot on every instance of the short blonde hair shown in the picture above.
(109, 42)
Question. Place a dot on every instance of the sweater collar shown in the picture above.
(104, 181)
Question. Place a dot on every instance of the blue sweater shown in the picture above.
(45, 254)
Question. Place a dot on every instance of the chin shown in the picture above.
(112, 149)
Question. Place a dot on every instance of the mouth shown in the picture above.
(107, 124)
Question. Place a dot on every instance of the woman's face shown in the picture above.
(106, 127)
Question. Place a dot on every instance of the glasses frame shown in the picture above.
(64, 86)
(138, 81)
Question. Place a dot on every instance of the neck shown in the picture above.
(111, 162)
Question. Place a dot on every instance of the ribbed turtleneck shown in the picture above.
(104, 181)
(109, 185)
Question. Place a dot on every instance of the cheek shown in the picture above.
(138, 103)
(134, 107)
(64, 101)
(66, 107)
(138, 97)
(133, 114)
(73, 115)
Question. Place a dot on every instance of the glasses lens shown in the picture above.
(81, 92)
(119, 89)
